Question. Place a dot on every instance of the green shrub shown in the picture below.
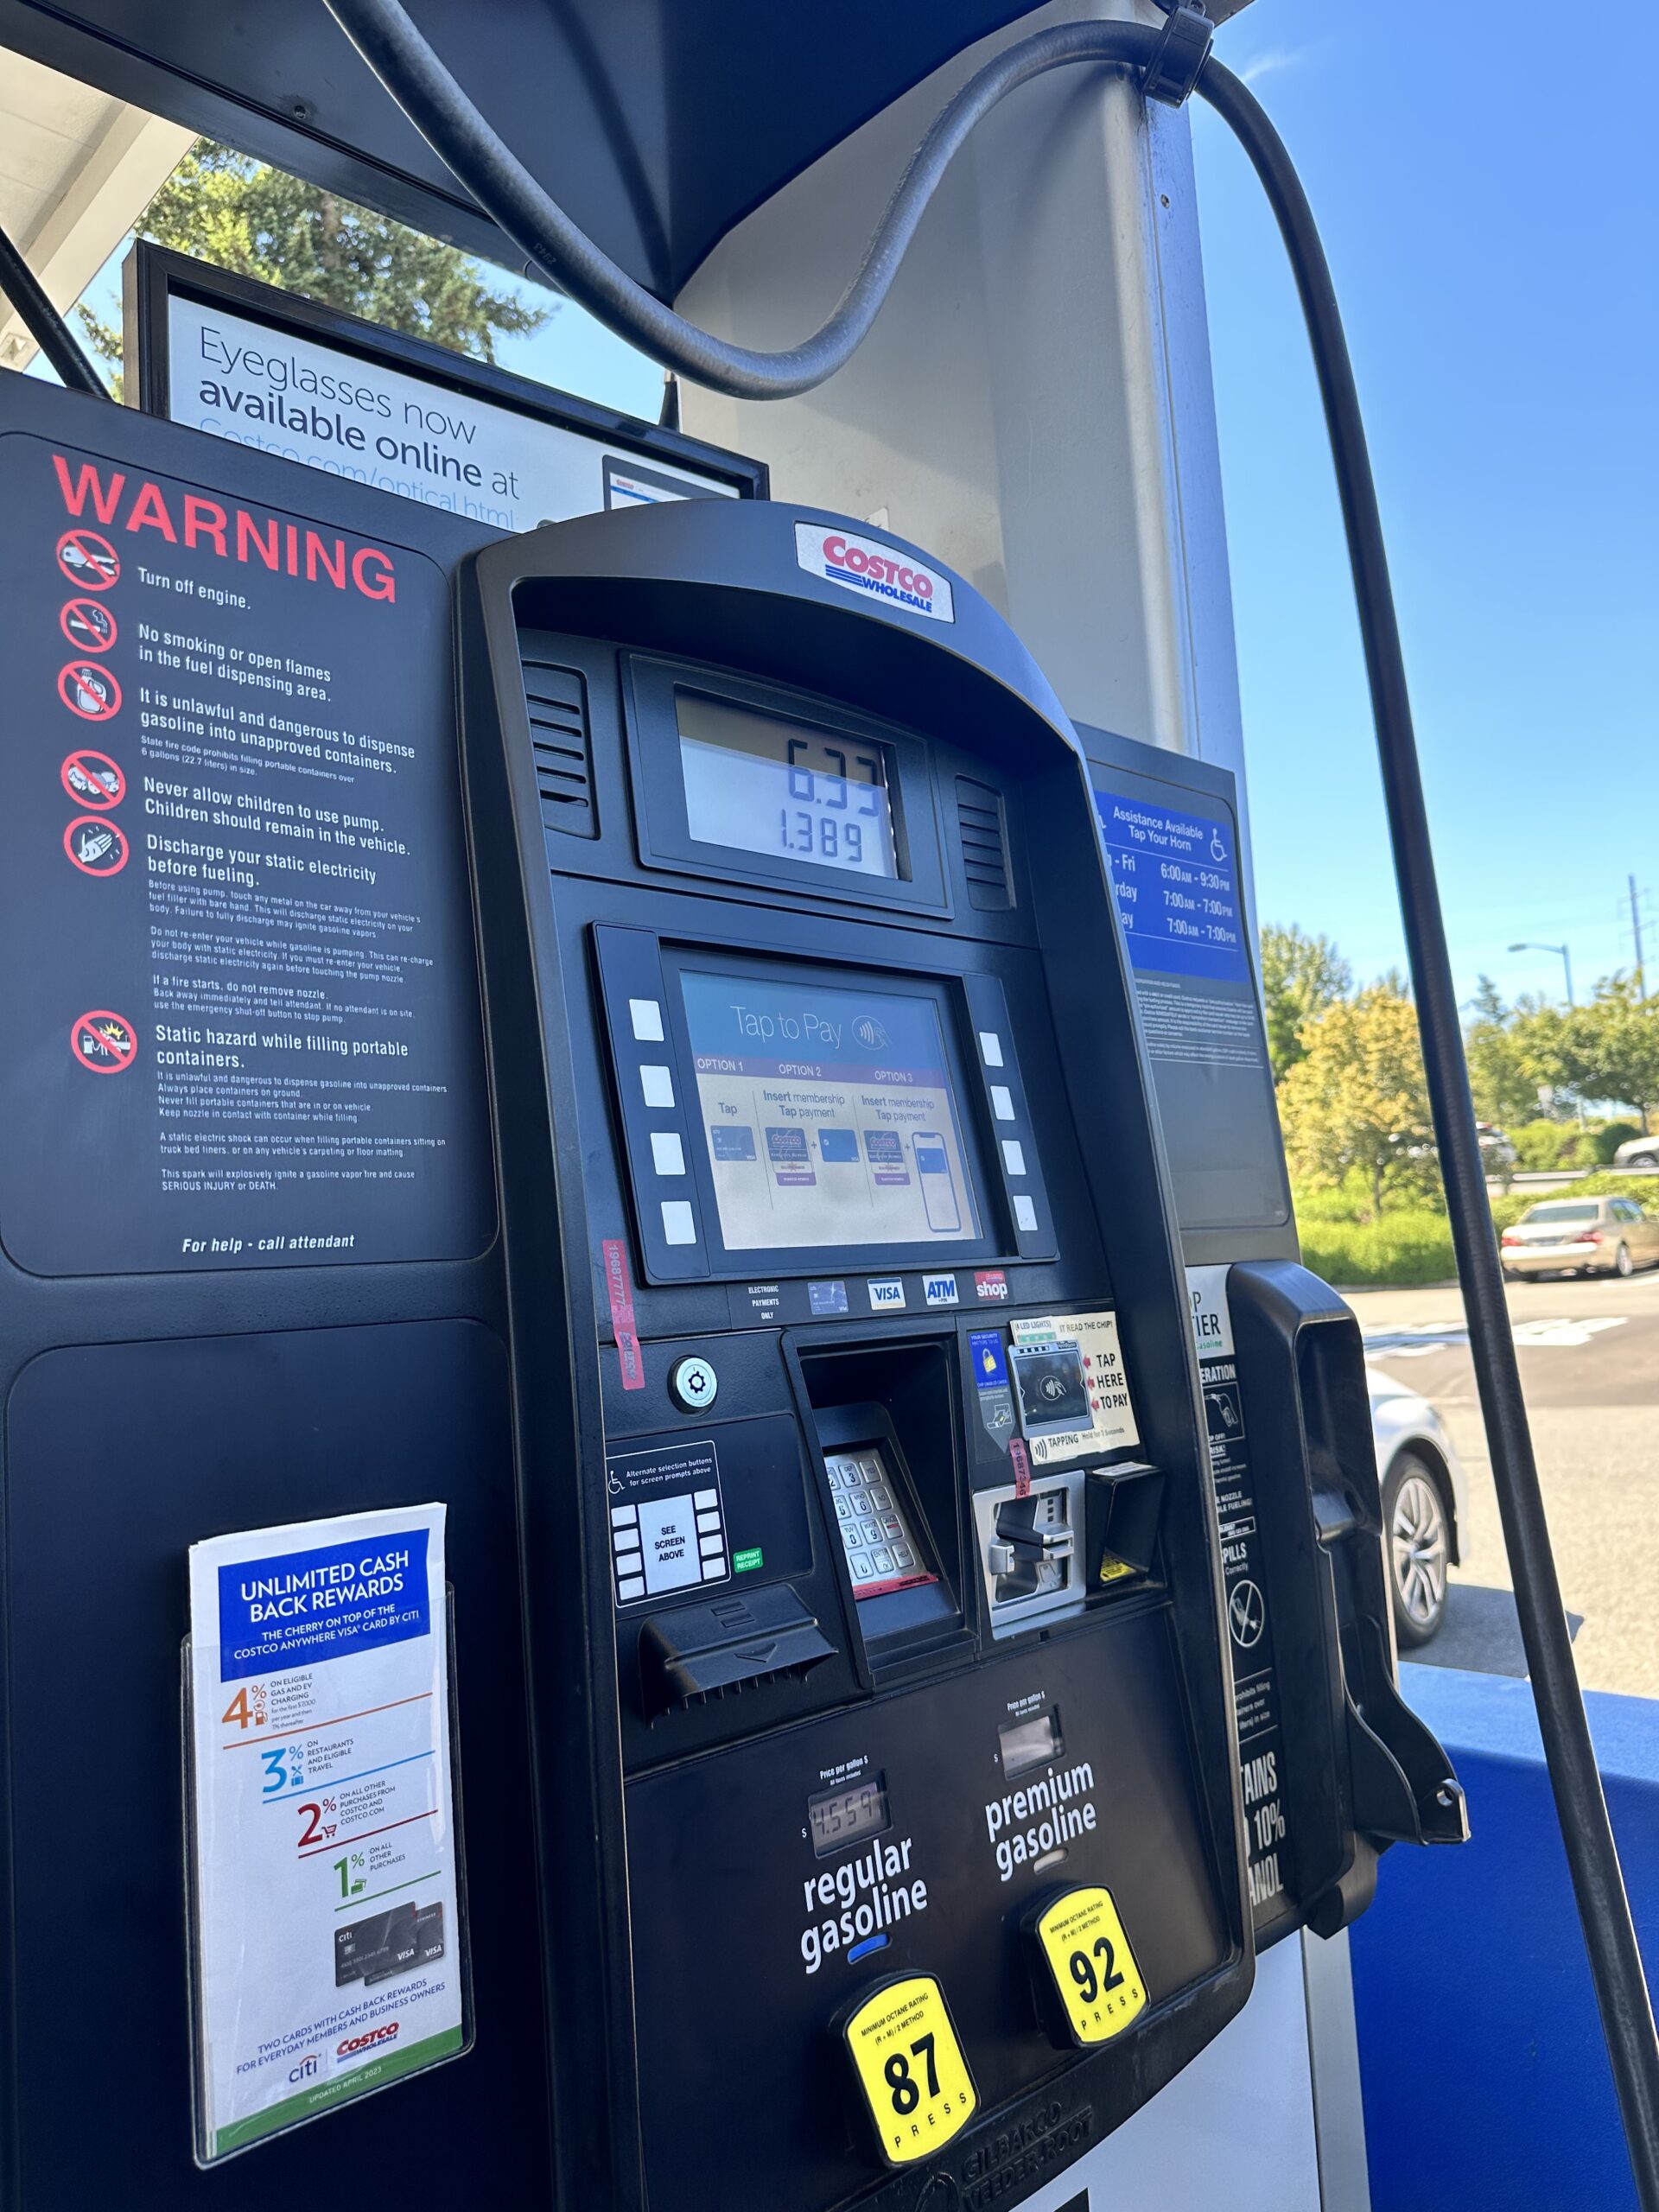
(1603, 1141)
(1402, 1249)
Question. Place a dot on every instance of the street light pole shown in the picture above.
(1531, 944)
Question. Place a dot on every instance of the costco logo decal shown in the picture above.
(862, 565)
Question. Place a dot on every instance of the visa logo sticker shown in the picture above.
(879, 571)
(940, 1290)
(886, 1296)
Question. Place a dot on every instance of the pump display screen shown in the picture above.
(764, 785)
(840, 1815)
(829, 1114)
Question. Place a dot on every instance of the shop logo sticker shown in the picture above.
(991, 1283)
(880, 571)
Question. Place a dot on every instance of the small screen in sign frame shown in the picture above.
(757, 783)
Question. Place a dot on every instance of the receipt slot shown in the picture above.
(887, 1799)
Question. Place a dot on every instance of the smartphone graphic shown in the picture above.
(938, 1185)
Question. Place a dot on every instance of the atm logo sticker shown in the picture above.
(941, 1290)
(879, 571)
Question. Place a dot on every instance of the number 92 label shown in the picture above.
(910, 2070)
(1087, 1953)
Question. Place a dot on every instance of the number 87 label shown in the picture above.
(1087, 1953)
(910, 2067)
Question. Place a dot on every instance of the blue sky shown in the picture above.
(1489, 197)
(1491, 220)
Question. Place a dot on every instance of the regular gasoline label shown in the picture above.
(232, 873)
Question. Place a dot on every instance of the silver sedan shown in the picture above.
(1425, 1505)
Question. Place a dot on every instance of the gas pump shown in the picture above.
(627, 1045)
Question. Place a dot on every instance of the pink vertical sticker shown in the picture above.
(621, 1295)
(1021, 1467)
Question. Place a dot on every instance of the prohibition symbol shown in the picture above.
(96, 847)
(89, 691)
(103, 1043)
(89, 624)
(1246, 1615)
(88, 560)
(93, 778)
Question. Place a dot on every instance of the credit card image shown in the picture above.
(429, 1935)
(366, 1947)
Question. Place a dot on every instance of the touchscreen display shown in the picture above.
(829, 1115)
(763, 784)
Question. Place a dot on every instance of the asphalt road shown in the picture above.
(1589, 1355)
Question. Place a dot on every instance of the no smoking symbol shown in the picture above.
(96, 848)
(89, 624)
(89, 691)
(103, 1043)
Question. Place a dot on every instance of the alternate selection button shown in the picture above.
(667, 1153)
(1025, 1212)
(679, 1223)
(646, 1016)
(656, 1083)
(990, 1048)
(1013, 1156)
(1002, 1102)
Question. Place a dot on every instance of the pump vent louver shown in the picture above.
(557, 701)
(984, 845)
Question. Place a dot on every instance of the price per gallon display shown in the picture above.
(327, 1952)
(759, 784)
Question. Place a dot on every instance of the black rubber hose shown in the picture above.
(45, 326)
(421, 85)
(424, 88)
(1603, 1910)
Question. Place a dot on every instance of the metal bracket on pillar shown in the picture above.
(1182, 52)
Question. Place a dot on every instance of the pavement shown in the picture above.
(1589, 1356)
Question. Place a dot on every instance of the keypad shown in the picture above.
(882, 1548)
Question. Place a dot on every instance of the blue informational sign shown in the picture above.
(1175, 876)
(301, 1607)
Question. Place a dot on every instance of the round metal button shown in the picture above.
(692, 1384)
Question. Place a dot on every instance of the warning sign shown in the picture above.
(93, 778)
(103, 1043)
(89, 559)
(88, 624)
(96, 847)
(87, 689)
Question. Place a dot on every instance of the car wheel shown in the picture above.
(1623, 1265)
(1419, 1547)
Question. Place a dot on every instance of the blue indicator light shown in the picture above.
(862, 1950)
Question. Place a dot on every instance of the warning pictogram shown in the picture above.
(96, 847)
(89, 624)
(89, 691)
(93, 778)
(88, 560)
(103, 1043)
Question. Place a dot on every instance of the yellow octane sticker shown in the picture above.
(1093, 1967)
(910, 2067)
(1113, 1569)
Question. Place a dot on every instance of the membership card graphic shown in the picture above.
(324, 1857)
(829, 1114)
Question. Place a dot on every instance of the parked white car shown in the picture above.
(1583, 1236)
(1637, 1152)
(1425, 1505)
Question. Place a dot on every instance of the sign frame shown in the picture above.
(152, 277)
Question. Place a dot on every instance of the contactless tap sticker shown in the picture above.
(1085, 1948)
(910, 2067)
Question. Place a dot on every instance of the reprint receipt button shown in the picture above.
(1085, 1968)
(693, 1384)
(910, 2069)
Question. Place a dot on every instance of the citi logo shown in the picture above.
(308, 2068)
(861, 564)
(386, 2032)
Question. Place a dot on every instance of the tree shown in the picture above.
(1509, 1056)
(1301, 976)
(1610, 1049)
(1358, 1099)
(240, 214)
